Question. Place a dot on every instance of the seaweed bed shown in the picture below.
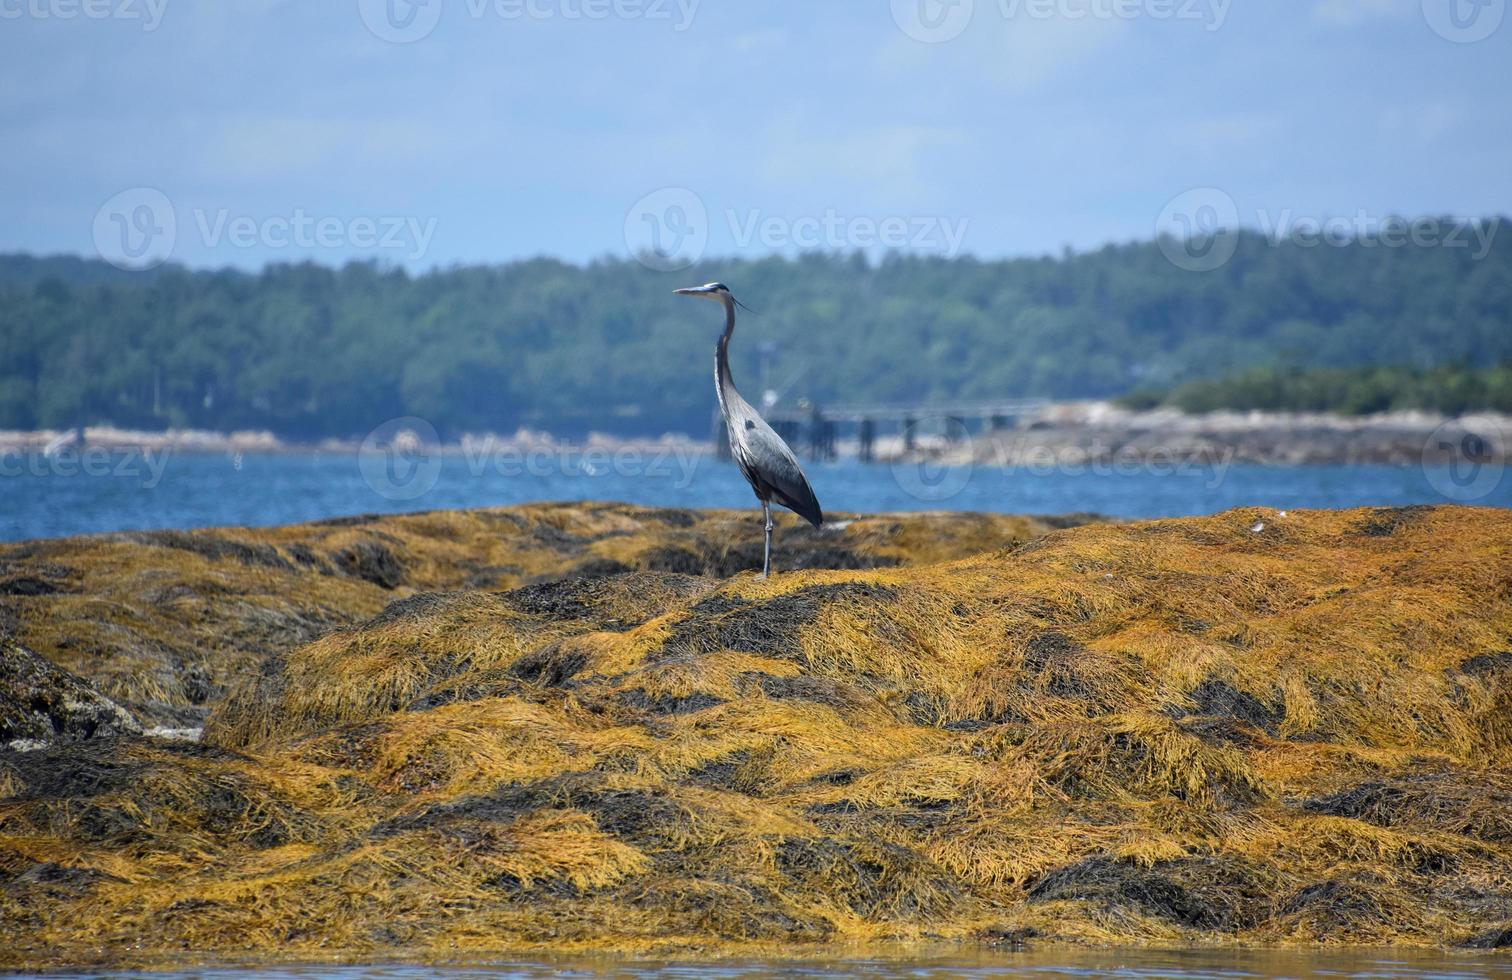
(163, 622)
(1251, 728)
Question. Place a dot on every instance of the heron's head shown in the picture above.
(717, 292)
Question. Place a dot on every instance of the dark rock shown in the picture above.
(41, 702)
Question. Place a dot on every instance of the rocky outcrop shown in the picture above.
(165, 622)
(1249, 729)
(40, 704)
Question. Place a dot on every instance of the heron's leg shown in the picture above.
(766, 558)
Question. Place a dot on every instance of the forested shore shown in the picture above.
(308, 352)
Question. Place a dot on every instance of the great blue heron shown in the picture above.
(767, 462)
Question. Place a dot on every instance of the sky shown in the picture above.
(241, 132)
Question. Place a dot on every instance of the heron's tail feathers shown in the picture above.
(803, 503)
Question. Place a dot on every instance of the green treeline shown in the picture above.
(1452, 389)
(309, 351)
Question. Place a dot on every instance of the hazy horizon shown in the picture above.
(434, 134)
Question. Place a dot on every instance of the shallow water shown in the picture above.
(1043, 964)
(41, 497)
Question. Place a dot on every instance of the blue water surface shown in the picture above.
(132, 490)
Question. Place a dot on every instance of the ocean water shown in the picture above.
(1039, 964)
(100, 491)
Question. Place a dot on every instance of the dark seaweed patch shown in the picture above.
(371, 561)
(674, 559)
(1327, 907)
(28, 586)
(1386, 521)
(412, 609)
(1219, 699)
(878, 881)
(667, 705)
(1488, 665)
(214, 547)
(769, 627)
(1479, 808)
(1202, 893)
(821, 690)
(551, 666)
(1491, 939)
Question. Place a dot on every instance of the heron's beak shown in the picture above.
(692, 291)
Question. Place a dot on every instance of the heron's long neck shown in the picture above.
(724, 385)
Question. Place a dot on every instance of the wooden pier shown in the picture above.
(817, 428)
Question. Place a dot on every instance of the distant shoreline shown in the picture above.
(204, 441)
(1071, 432)
(1101, 432)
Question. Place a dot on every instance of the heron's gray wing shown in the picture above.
(771, 467)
